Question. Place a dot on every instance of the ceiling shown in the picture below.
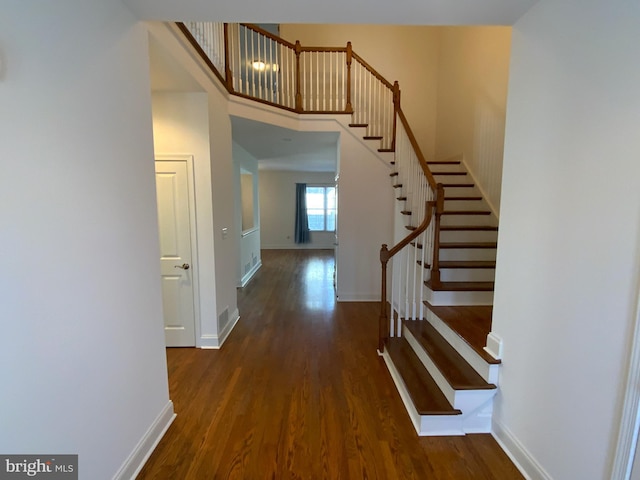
(278, 148)
(398, 12)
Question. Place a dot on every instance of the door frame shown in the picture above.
(627, 441)
(195, 265)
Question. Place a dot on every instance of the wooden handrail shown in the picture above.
(324, 49)
(373, 71)
(385, 256)
(270, 35)
(416, 148)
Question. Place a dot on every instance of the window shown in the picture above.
(321, 208)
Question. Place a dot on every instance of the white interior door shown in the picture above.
(172, 189)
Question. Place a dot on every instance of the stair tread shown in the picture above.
(386, 150)
(426, 265)
(444, 162)
(472, 323)
(406, 212)
(372, 137)
(461, 286)
(449, 173)
(393, 174)
(462, 198)
(455, 369)
(490, 228)
(468, 264)
(462, 185)
(468, 245)
(359, 125)
(401, 198)
(422, 388)
(466, 212)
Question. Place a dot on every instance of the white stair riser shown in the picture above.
(468, 220)
(461, 191)
(450, 167)
(467, 254)
(443, 178)
(425, 425)
(464, 400)
(465, 205)
(458, 298)
(468, 236)
(489, 372)
(467, 274)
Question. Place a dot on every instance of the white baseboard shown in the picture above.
(216, 341)
(143, 450)
(522, 459)
(249, 275)
(225, 333)
(299, 246)
(359, 297)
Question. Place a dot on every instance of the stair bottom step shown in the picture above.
(425, 395)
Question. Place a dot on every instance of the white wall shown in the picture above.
(408, 54)
(222, 271)
(366, 201)
(278, 212)
(82, 344)
(249, 260)
(473, 72)
(181, 126)
(567, 272)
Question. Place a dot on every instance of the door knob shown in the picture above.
(184, 266)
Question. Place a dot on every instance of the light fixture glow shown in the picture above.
(258, 65)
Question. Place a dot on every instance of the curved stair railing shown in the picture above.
(253, 63)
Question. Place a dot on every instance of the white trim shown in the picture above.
(521, 458)
(492, 207)
(494, 345)
(299, 246)
(630, 417)
(249, 231)
(358, 297)
(215, 341)
(193, 225)
(249, 275)
(147, 444)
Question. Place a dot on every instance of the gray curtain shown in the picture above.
(302, 234)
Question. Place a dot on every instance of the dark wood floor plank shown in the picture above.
(298, 392)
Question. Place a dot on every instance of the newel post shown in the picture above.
(383, 321)
(227, 69)
(298, 78)
(396, 108)
(349, 107)
(435, 265)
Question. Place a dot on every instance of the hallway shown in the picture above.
(298, 391)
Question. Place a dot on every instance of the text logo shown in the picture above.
(49, 467)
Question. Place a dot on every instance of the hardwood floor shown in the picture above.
(299, 392)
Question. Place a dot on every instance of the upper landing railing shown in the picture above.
(256, 64)
(253, 63)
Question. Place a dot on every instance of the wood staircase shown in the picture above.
(435, 349)
(445, 378)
